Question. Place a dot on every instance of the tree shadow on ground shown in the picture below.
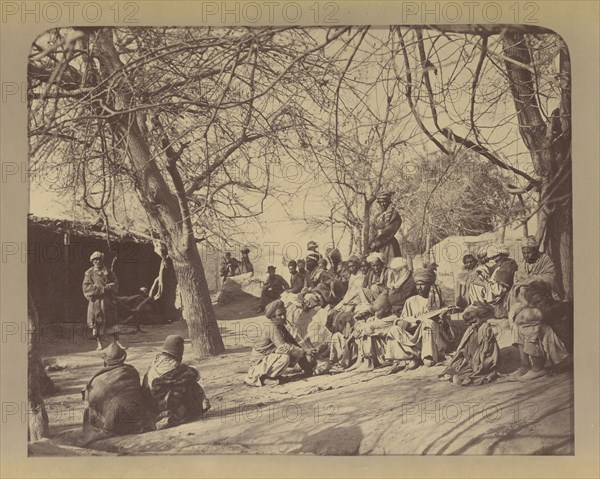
(333, 441)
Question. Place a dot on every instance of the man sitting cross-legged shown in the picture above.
(275, 349)
(417, 337)
(371, 335)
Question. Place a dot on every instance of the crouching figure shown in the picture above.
(543, 333)
(477, 355)
(275, 350)
(175, 395)
(114, 402)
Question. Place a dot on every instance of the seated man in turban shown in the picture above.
(464, 279)
(371, 335)
(536, 267)
(297, 278)
(173, 386)
(477, 354)
(384, 227)
(498, 276)
(417, 337)
(400, 284)
(113, 399)
(543, 332)
(376, 279)
(275, 350)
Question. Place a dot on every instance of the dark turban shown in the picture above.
(424, 276)
(272, 308)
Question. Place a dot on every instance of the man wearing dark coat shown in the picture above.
(272, 289)
(384, 227)
(172, 387)
(114, 402)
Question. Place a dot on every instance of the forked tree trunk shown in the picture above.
(37, 417)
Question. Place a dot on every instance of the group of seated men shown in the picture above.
(380, 314)
(115, 402)
(541, 324)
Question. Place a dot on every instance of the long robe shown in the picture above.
(102, 305)
(114, 402)
(371, 335)
(246, 265)
(476, 357)
(537, 337)
(375, 284)
(541, 270)
(384, 227)
(498, 287)
(411, 339)
(398, 294)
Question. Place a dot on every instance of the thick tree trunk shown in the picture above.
(37, 417)
(206, 338)
(550, 147)
(163, 207)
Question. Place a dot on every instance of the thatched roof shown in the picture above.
(88, 230)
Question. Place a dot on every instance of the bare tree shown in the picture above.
(176, 115)
(459, 81)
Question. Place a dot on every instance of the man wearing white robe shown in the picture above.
(415, 339)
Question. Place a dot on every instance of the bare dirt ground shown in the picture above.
(341, 414)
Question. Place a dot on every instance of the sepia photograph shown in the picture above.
(277, 231)
(351, 240)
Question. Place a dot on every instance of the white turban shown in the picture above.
(398, 263)
(493, 250)
(373, 257)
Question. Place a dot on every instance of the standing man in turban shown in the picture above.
(275, 349)
(384, 227)
(100, 287)
(246, 265)
(416, 338)
(313, 247)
